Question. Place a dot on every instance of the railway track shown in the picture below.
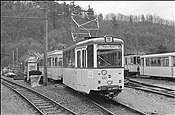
(112, 107)
(43, 104)
(151, 88)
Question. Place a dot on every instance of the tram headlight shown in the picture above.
(109, 82)
(103, 72)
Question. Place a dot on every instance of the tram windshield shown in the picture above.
(109, 58)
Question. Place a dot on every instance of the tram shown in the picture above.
(54, 64)
(95, 64)
(158, 65)
(132, 64)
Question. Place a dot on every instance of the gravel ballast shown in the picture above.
(13, 104)
(147, 102)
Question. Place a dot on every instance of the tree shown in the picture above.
(131, 18)
(142, 18)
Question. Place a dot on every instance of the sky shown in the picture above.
(164, 9)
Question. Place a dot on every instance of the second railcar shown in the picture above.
(158, 65)
(132, 64)
(54, 64)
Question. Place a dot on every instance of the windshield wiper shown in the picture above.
(104, 60)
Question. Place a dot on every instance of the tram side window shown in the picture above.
(49, 61)
(158, 61)
(41, 63)
(126, 61)
(138, 60)
(147, 61)
(134, 60)
(78, 59)
(90, 56)
(68, 59)
(64, 60)
(142, 61)
(84, 58)
(153, 61)
(56, 61)
(73, 58)
(173, 60)
(60, 62)
(53, 62)
(165, 61)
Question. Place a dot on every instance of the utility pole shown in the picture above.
(16, 57)
(45, 80)
(13, 58)
(137, 44)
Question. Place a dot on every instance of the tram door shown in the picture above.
(79, 70)
(81, 63)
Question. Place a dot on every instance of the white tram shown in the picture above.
(132, 64)
(160, 65)
(54, 64)
(95, 64)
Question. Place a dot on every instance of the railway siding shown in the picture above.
(160, 83)
(146, 102)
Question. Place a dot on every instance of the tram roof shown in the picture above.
(55, 52)
(133, 55)
(159, 55)
(94, 40)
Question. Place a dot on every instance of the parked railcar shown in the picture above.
(95, 65)
(158, 65)
(54, 64)
(132, 64)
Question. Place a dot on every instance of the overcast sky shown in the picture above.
(164, 9)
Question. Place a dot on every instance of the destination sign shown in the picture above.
(108, 46)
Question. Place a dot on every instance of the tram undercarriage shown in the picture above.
(109, 92)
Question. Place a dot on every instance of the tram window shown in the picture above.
(153, 61)
(49, 62)
(126, 61)
(158, 61)
(53, 62)
(173, 60)
(134, 60)
(83, 58)
(60, 61)
(147, 61)
(107, 58)
(69, 58)
(64, 60)
(90, 55)
(56, 61)
(138, 60)
(41, 63)
(165, 61)
(142, 61)
(73, 58)
(78, 59)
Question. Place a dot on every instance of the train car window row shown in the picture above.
(132, 60)
(52, 62)
(84, 58)
(157, 61)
